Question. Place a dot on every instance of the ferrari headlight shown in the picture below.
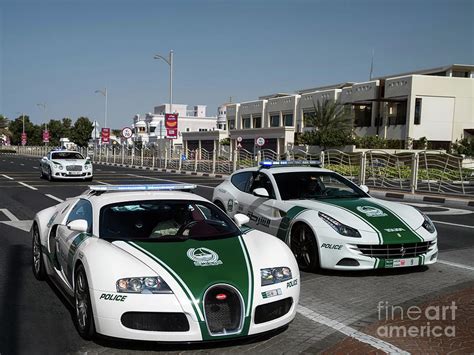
(342, 229)
(428, 224)
(275, 275)
(152, 284)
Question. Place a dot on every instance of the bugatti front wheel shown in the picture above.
(304, 247)
(83, 307)
(38, 263)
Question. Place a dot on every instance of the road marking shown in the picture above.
(175, 181)
(35, 167)
(103, 183)
(28, 186)
(22, 164)
(349, 331)
(9, 215)
(461, 266)
(8, 177)
(22, 225)
(54, 198)
(453, 224)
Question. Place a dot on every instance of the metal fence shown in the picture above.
(424, 171)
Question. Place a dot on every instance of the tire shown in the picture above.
(50, 175)
(37, 256)
(41, 172)
(220, 205)
(84, 317)
(304, 247)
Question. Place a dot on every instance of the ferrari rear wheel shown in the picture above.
(84, 316)
(38, 263)
(304, 247)
(220, 205)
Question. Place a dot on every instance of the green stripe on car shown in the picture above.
(197, 265)
(292, 213)
(390, 228)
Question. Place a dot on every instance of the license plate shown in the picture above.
(75, 172)
(391, 263)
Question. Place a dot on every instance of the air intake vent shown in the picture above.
(224, 310)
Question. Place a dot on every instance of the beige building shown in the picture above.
(435, 103)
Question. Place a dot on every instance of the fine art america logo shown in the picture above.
(370, 211)
(203, 257)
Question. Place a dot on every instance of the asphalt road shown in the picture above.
(34, 318)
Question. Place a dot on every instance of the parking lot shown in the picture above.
(425, 309)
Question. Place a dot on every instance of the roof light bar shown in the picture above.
(147, 187)
(270, 163)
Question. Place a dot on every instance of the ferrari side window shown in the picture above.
(82, 210)
(241, 180)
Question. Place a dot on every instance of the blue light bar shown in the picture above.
(150, 187)
(270, 163)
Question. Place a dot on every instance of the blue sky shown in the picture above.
(59, 52)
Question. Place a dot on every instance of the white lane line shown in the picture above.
(35, 167)
(28, 186)
(461, 266)
(9, 215)
(453, 224)
(101, 182)
(350, 332)
(54, 198)
(157, 179)
(8, 177)
(22, 164)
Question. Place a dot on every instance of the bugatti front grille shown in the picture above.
(155, 321)
(223, 309)
(395, 251)
(74, 167)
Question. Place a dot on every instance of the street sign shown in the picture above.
(239, 145)
(23, 138)
(239, 139)
(171, 124)
(127, 132)
(260, 141)
(45, 136)
(105, 135)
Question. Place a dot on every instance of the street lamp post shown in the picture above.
(43, 106)
(104, 92)
(23, 121)
(169, 61)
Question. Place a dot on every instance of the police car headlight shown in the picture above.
(87, 166)
(153, 284)
(428, 224)
(339, 227)
(57, 166)
(275, 275)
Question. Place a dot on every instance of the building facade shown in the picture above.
(437, 104)
(151, 129)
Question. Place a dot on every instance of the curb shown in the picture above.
(443, 200)
(172, 171)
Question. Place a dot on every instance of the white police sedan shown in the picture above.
(66, 164)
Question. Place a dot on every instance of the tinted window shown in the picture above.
(66, 155)
(261, 180)
(82, 210)
(160, 220)
(241, 180)
(309, 185)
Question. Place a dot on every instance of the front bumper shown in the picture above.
(109, 322)
(64, 174)
(353, 256)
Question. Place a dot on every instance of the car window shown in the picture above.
(262, 180)
(66, 155)
(160, 220)
(82, 210)
(241, 180)
(315, 185)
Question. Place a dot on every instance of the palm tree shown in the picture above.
(331, 122)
